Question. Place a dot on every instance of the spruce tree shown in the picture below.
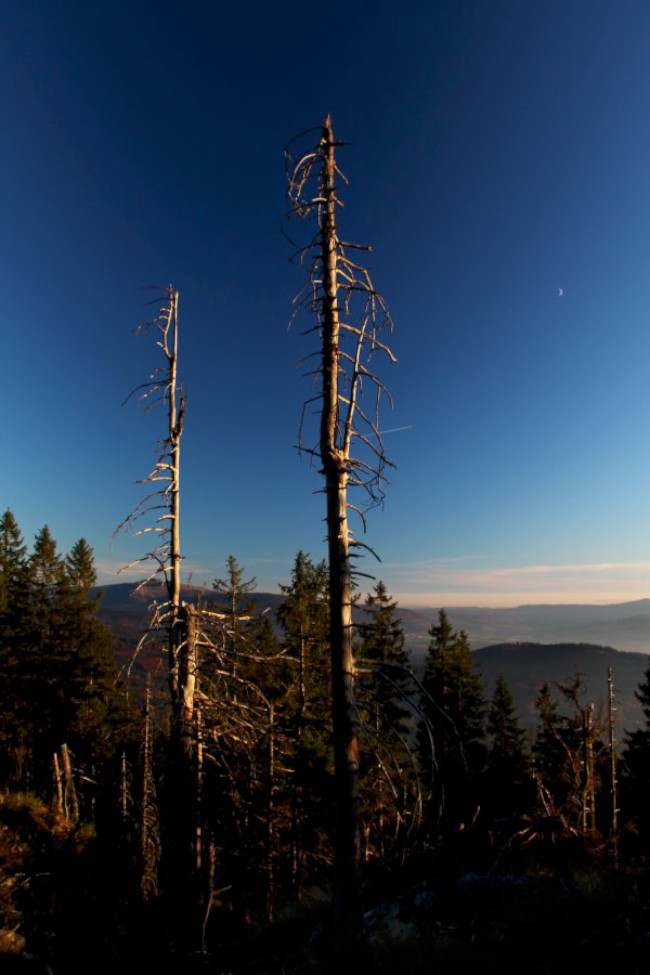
(389, 794)
(453, 683)
(14, 643)
(635, 769)
(304, 619)
(13, 574)
(569, 757)
(271, 674)
(452, 728)
(47, 678)
(234, 590)
(381, 645)
(90, 663)
(550, 752)
(56, 669)
(507, 780)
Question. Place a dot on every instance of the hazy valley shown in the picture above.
(527, 644)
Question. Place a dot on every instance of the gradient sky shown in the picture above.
(499, 165)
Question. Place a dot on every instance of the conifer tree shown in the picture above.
(233, 590)
(569, 757)
(453, 710)
(90, 662)
(13, 574)
(452, 681)
(389, 786)
(270, 673)
(382, 645)
(506, 782)
(304, 618)
(45, 680)
(47, 576)
(54, 656)
(549, 752)
(635, 769)
(14, 644)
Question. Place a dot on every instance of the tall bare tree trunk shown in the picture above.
(149, 839)
(335, 461)
(198, 841)
(611, 709)
(182, 641)
(350, 313)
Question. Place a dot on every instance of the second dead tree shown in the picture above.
(160, 513)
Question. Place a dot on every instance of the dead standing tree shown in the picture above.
(158, 515)
(349, 315)
(163, 505)
(190, 631)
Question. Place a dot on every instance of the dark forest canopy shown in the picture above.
(446, 768)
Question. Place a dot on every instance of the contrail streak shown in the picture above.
(396, 429)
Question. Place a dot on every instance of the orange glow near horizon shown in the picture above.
(510, 600)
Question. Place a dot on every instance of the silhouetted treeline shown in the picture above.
(449, 781)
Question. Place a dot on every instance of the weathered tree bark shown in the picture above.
(166, 555)
(188, 665)
(58, 784)
(181, 618)
(588, 818)
(149, 840)
(176, 627)
(198, 833)
(337, 286)
(612, 757)
(335, 461)
(70, 801)
(124, 789)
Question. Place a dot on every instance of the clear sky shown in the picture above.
(500, 167)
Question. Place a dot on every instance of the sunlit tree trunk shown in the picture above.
(349, 313)
(174, 616)
(335, 467)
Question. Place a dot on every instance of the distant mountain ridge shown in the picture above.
(527, 644)
(625, 626)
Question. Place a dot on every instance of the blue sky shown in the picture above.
(499, 166)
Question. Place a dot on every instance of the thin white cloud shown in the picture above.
(458, 580)
(589, 567)
(464, 584)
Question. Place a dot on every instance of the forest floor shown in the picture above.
(60, 914)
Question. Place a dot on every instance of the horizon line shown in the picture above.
(456, 600)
